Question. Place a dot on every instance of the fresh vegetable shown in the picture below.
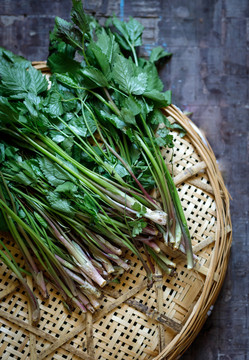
(79, 157)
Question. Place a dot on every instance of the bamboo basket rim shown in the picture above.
(215, 273)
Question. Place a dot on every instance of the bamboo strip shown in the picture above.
(159, 303)
(155, 315)
(34, 330)
(159, 316)
(9, 289)
(97, 316)
(62, 340)
(32, 337)
(89, 334)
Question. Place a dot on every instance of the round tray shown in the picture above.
(135, 322)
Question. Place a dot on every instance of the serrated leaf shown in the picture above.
(67, 187)
(127, 116)
(131, 31)
(95, 75)
(67, 80)
(101, 59)
(79, 17)
(124, 75)
(160, 99)
(22, 179)
(158, 53)
(108, 45)
(38, 82)
(114, 120)
(163, 138)
(54, 106)
(62, 63)
(157, 117)
(54, 174)
(7, 112)
(15, 79)
(153, 82)
(58, 203)
(78, 126)
(137, 227)
(30, 108)
(7, 56)
(68, 33)
(133, 105)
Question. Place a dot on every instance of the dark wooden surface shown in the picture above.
(208, 75)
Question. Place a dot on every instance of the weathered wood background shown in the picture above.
(208, 75)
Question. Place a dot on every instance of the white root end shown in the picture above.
(157, 216)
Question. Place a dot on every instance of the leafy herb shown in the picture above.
(78, 160)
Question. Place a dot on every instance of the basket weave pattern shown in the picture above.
(135, 322)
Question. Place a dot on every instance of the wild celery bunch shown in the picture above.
(80, 156)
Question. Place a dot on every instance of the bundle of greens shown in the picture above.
(79, 157)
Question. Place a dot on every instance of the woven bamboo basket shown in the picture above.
(135, 322)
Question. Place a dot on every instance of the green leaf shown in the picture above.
(164, 138)
(160, 99)
(7, 112)
(79, 17)
(67, 145)
(67, 80)
(140, 209)
(158, 53)
(67, 187)
(113, 119)
(124, 74)
(87, 203)
(133, 105)
(38, 82)
(146, 107)
(58, 203)
(137, 226)
(127, 116)
(23, 179)
(62, 63)
(7, 56)
(107, 44)
(58, 138)
(68, 33)
(34, 164)
(78, 125)
(54, 104)
(31, 109)
(157, 117)
(154, 82)
(95, 75)
(101, 59)
(121, 170)
(54, 173)
(131, 31)
(89, 122)
(15, 79)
